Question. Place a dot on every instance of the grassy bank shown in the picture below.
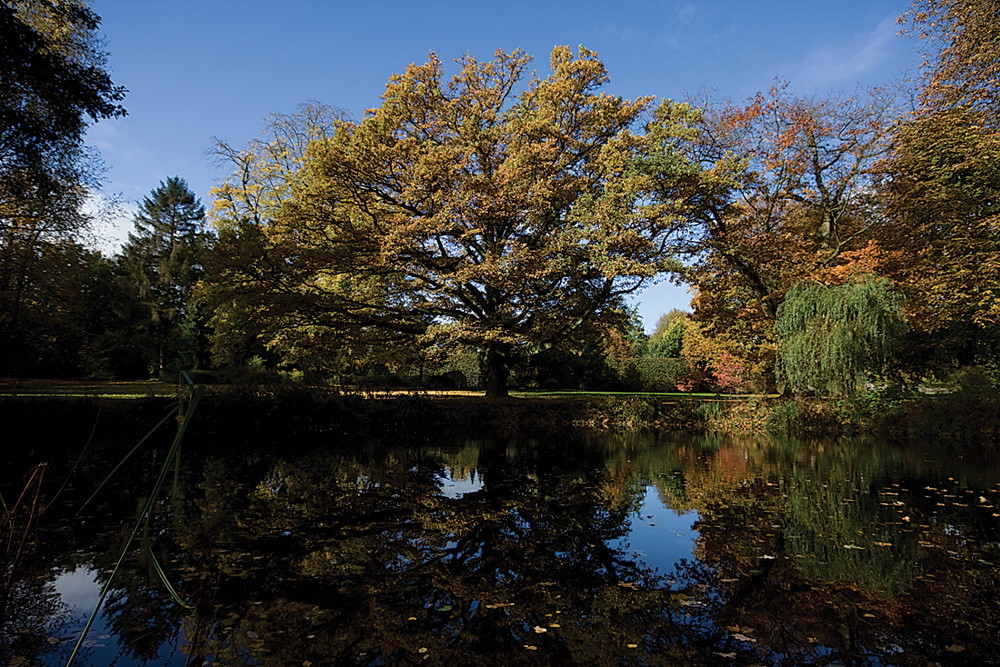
(303, 409)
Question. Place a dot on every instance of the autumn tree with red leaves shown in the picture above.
(774, 191)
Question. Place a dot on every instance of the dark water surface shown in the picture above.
(590, 550)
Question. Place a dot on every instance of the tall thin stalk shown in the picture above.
(146, 516)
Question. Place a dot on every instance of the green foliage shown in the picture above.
(53, 79)
(870, 411)
(786, 417)
(942, 194)
(832, 338)
(668, 338)
(162, 263)
(660, 374)
(53, 83)
(669, 344)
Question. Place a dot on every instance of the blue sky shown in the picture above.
(201, 69)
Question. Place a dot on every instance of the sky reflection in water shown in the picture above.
(595, 550)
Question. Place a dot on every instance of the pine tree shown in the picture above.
(163, 262)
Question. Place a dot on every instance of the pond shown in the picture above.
(644, 549)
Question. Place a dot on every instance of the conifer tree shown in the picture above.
(163, 262)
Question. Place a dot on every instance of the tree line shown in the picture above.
(487, 227)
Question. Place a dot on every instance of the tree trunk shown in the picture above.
(497, 371)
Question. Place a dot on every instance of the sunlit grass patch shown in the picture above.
(86, 388)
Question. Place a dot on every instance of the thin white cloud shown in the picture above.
(647, 28)
(847, 62)
(111, 137)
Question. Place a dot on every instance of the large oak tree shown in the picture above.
(491, 209)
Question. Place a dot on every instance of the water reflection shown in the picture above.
(596, 550)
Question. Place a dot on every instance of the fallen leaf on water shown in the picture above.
(554, 625)
(852, 546)
(743, 638)
(530, 647)
(955, 648)
(539, 630)
(632, 645)
(726, 655)
(422, 649)
(882, 544)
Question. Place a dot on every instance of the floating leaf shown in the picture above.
(539, 630)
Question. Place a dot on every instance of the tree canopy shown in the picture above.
(53, 83)
(462, 212)
(163, 261)
(942, 191)
(832, 338)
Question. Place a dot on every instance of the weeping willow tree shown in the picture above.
(831, 338)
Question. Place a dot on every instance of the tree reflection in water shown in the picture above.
(494, 551)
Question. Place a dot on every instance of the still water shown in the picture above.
(593, 550)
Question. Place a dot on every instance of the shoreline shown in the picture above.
(301, 409)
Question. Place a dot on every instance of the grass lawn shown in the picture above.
(564, 393)
(155, 389)
(86, 388)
